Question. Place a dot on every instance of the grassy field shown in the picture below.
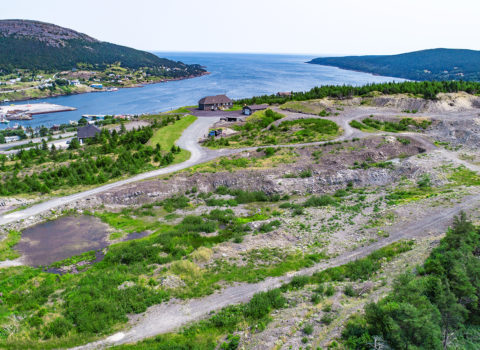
(404, 124)
(167, 136)
(261, 130)
(309, 107)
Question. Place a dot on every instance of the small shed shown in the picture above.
(87, 132)
(213, 103)
(249, 110)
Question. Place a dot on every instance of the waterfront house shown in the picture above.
(249, 110)
(97, 86)
(87, 132)
(75, 82)
(213, 103)
(9, 139)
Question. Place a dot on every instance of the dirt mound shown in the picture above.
(450, 102)
(338, 165)
(457, 132)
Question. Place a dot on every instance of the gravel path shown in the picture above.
(168, 317)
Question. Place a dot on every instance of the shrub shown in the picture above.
(327, 319)
(349, 291)
(268, 227)
(297, 211)
(269, 151)
(298, 282)
(316, 298)
(319, 201)
(357, 125)
(185, 268)
(330, 290)
(305, 173)
(403, 141)
(59, 327)
(173, 203)
(424, 181)
(202, 254)
(308, 329)
(262, 303)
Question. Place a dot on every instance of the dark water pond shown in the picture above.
(56, 240)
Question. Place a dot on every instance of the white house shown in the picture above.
(9, 139)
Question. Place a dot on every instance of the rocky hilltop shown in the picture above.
(36, 45)
(50, 34)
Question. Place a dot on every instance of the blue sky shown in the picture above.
(275, 26)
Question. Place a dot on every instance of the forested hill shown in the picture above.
(434, 64)
(36, 45)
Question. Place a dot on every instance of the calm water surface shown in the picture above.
(237, 75)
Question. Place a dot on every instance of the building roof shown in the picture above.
(87, 132)
(257, 107)
(214, 100)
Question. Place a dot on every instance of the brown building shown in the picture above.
(284, 93)
(248, 110)
(212, 103)
(87, 132)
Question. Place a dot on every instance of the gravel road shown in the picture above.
(168, 317)
(187, 141)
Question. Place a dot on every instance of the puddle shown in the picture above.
(135, 235)
(56, 240)
(99, 255)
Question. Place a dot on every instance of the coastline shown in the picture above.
(104, 90)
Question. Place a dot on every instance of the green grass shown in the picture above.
(260, 130)
(87, 256)
(235, 108)
(167, 136)
(466, 177)
(6, 245)
(180, 110)
(254, 315)
(308, 107)
(371, 124)
(207, 334)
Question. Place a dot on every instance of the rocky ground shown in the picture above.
(376, 179)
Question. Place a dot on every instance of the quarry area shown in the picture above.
(248, 216)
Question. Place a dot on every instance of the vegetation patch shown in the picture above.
(207, 334)
(371, 124)
(6, 245)
(432, 308)
(260, 130)
(107, 156)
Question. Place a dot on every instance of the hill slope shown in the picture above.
(434, 64)
(37, 45)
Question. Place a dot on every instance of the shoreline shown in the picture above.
(104, 90)
(356, 70)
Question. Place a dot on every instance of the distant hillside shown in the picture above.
(434, 64)
(36, 45)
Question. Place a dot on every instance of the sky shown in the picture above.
(328, 27)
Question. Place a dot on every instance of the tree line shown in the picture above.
(432, 307)
(107, 156)
(426, 89)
